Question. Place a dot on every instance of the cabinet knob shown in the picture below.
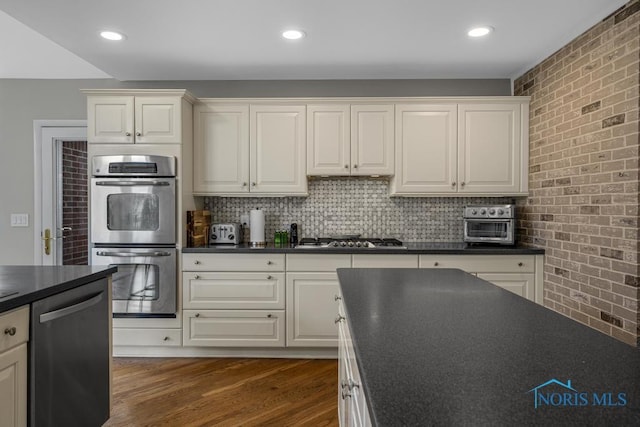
(269, 315)
(269, 277)
(351, 384)
(344, 394)
(453, 184)
(253, 184)
(10, 331)
(138, 133)
(435, 264)
(337, 297)
(197, 314)
(196, 262)
(520, 264)
(244, 184)
(343, 384)
(197, 276)
(355, 166)
(127, 133)
(346, 166)
(165, 339)
(339, 319)
(269, 262)
(462, 184)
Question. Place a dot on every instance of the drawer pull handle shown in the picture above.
(345, 395)
(352, 384)
(196, 262)
(520, 264)
(165, 339)
(435, 264)
(339, 319)
(10, 331)
(337, 297)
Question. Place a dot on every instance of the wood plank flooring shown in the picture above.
(224, 392)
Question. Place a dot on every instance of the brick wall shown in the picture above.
(75, 212)
(584, 156)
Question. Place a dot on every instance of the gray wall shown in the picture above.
(23, 101)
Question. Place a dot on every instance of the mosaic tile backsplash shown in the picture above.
(354, 206)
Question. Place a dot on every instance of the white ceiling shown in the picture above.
(240, 39)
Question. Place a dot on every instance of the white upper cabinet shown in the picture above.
(278, 149)
(457, 149)
(426, 148)
(489, 148)
(221, 151)
(251, 150)
(134, 119)
(346, 139)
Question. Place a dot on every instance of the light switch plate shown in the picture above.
(244, 220)
(20, 220)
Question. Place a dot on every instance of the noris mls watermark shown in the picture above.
(555, 393)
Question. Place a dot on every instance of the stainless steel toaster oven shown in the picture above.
(490, 224)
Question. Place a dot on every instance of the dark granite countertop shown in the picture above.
(442, 347)
(450, 248)
(25, 284)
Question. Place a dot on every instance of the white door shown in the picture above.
(52, 235)
(221, 149)
(426, 149)
(278, 149)
(158, 119)
(372, 140)
(328, 139)
(489, 148)
(110, 119)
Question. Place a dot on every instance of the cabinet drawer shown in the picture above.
(14, 328)
(317, 262)
(519, 284)
(233, 328)
(147, 337)
(385, 261)
(233, 290)
(232, 262)
(481, 263)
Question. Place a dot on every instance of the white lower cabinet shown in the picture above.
(233, 328)
(312, 289)
(519, 283)
(352, 404)
(385, 261)
(147, 337)
(13, 367)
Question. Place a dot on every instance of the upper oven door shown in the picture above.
(133, 211)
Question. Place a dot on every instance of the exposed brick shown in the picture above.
(528, 85)
(626, 12)
(610, 318)
(562, 236)
(591, 107)
(612, 121)
(632, 280)
(590, 210)
(546, 217)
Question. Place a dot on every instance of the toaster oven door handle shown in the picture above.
(133, 254)
(132, 183)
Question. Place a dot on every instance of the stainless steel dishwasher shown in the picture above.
(69, 379)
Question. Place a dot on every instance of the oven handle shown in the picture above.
(133, 254)
(132, 183)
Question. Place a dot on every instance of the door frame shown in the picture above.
(45, 132)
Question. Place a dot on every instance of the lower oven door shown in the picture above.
(489, 231)
(145, 284)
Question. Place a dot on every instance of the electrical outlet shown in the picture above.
(19, 220)
(244, 219)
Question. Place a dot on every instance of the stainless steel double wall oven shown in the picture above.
(133, 226)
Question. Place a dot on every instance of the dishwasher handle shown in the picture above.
(62, 312)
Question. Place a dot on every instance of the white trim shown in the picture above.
(38, 128)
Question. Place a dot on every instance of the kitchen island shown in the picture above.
(56, 323)
(442, 347)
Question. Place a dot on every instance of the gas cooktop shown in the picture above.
(349, 243)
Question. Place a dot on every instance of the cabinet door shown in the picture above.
(311, 309)
(233, 328)
(278, 149)
(519, 284)
(110, 119)
(13, 386)
(221, 149)
(372, 140)
(489, 148)
(233, 290)
(385, 261)
(426, 149)
(158, 120)
(328, 140)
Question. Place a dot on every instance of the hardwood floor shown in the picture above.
(224, 392)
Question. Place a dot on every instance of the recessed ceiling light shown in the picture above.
(111, 35)
(293, 34)
(479, 31)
